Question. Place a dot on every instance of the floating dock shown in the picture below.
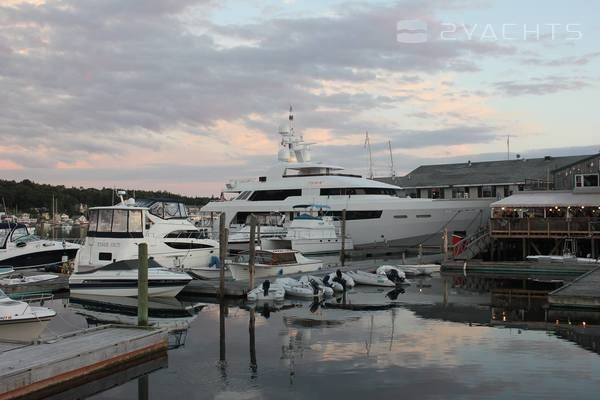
(581, 294)
(44, 369)
(518, 269)
(238, 289)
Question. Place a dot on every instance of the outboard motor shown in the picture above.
(393, 276)
(315, 287)
(265, 286)
(326, 281)
(338, 278)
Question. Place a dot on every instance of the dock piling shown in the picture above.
(223, 238)
(143, 284)
(252, 249)
(343, 234)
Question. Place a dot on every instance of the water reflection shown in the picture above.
(168, 313)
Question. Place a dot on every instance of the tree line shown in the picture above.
(28, 196)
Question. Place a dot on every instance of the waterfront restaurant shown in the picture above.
(548, 215)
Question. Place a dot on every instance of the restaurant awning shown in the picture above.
(549, 199)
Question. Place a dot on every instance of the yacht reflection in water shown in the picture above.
(169, 313)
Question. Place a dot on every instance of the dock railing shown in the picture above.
(582, 227)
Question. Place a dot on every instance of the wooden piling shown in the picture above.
(343, 234)
(252, 250)
(252, 334)
(445, 249)
(223, 238)
(222, 312)
(143, 284)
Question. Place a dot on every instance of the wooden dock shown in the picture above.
(238, 289)
(41, 370)
(582, 293)
(516, 269)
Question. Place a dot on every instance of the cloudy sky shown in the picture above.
(184, 95)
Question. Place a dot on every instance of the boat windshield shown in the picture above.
(2, 295)
(3, 235)
(165, 209)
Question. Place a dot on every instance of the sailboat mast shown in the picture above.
(391, 159)
(368, 146)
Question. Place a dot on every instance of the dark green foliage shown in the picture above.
(28, 196)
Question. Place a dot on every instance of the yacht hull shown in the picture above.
(308, 246)
(37, 258)
(242, 272)
(127, 289)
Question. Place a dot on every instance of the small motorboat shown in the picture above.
(295, 288)
(21, 322)
(210, 271)
(121, 279)
(344, 279)
(367, 278)
(12, 280)
(273, 263)
(313, 280)
(336, 286)
(266, 291)
(393, 273)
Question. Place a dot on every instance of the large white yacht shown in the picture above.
(376, 214)
(173, 241)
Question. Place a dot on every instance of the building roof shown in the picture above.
(483, 173)
(549, 199)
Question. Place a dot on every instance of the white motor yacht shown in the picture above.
(376, 214)
(121, 279)
(21, 322)
(310, 232)
(173, 240)
(273, 263)
(20, 249)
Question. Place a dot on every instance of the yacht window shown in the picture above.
(93, 220)
(187, 245)
(353, 215)
(244, 195)
(274, 195)
(182, 210)
(424, 216)
(19, 233)
(3, 235)
(135, 221)
(359, 191)
(119, 223)
(105, 256)
(104, 220)
(172, 210)
(157, 209)
(400, 216)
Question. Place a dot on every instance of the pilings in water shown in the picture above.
(343, 234)
(143, 284)
(223, 239)
(252, 250)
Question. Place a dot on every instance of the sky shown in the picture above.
(184, 95)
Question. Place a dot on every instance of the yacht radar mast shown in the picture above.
(293, 149)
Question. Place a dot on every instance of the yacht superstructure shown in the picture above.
(173, 241)
(375, 212)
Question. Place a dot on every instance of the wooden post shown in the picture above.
(258, 241)
(343, 234)
(445, 250)
(222, 312)
(143, 391)
(420, 255)
(252, 332)
(223, 238)
(143, 284)
(252, 250)
(445, 302)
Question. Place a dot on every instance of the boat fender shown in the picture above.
(265, 286)
(214, 261)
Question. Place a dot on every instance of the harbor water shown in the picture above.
(418, 342)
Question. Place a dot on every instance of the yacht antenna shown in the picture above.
(291, 119)
(391, 159)
(368, 146)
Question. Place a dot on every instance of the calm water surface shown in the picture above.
(413, 351)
